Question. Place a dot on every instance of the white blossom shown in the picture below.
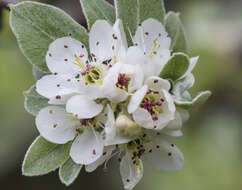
(152, 106)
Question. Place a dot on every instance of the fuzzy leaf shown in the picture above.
(176, 67)
(43, 157)
(128, 12)
(36, 25)
(33, 101)
(96, 10)
(69, 171)
(175, 29)
(181, 86)
(38, 74)
(199, 99)
(151, 9)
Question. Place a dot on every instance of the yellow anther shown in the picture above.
(155, 48)
(79, 63)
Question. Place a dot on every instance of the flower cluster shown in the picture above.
(112, 102)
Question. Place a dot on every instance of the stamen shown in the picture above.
(123, 81)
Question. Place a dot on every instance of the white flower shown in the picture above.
(121, 81)
(152, 106)
(152, 48)
(154, 151)
(72, 72)
(60, 127)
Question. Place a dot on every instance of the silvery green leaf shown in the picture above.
(38, 74)
(175, 29)
(36, 25)
(33, 101)
(151, 9)
(69, 171)
(199, 99)
(97, 10)
(43, 157)
(181, 86)
(176, 67)
(128, 12)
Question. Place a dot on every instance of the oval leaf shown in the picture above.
(69, 171)
(33, 102)
(176, 67)
(36, 25)
(96, 10)
(128, 12)
(175, 29)
(151, 9)
(199, 99)
(43, 157)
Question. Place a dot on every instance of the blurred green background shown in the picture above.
(212, 138)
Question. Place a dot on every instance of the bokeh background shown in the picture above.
(212, 138)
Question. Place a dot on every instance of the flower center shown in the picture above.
(91, 74)
(123, 81)
(152, 102)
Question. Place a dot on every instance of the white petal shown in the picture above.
(62, 97)
(162, 155)
(135, 56)
(157, 83)
(83, 107)
(87, 147)
(111, 135)
(109, 88)
(131, 173)
(137, 98)
(53, 86)
(169, 103)
(101, 41)
(60, 57)
(151, 36)
(110, 129)
(136, 74)
(121, 39)
(172, 133)
(176, 123)
(143, 118)
(168, 113)
(107, 152)
(55, 125)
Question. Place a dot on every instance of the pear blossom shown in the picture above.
(152, 106)
(60, 127)
(151, 48)
(154, 151)
(72, 72)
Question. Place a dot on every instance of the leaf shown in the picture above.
(128, 12)
(181, 86)
(176, 67)
(96, 10)
(38, 74)
(33, 101)
(175, 29)
(199, 99)
(43, 157)
(151, 9)
(69, 171)
(36, 25)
